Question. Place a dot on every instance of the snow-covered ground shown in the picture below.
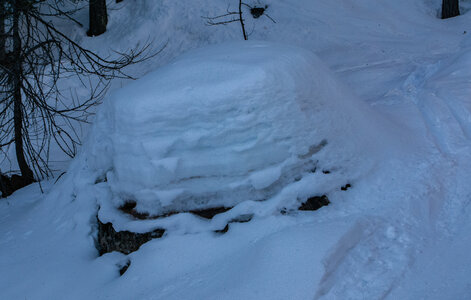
(400, 232)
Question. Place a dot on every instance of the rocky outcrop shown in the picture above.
(314, 203)
(110, 240)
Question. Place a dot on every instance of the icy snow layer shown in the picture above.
(227, 124)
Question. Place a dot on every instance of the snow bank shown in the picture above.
(223, 125)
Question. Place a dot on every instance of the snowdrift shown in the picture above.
(228, 124)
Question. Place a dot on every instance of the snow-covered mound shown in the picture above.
(223, 125)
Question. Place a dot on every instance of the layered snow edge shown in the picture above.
(240, 123)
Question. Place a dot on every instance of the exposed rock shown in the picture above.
(130, 208)
(314, 203)
(208, 213)
(240, 219)
(122, 241)
(124, 268)
(224, 230)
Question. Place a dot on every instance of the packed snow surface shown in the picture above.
(226, 124)
(397, 127)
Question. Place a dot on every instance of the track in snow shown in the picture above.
(447, 119)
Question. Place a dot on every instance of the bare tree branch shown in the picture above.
(34, 112)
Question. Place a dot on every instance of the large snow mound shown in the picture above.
(226, 124)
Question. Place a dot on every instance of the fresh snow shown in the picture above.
(389, 84)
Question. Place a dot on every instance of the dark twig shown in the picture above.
(44, 56)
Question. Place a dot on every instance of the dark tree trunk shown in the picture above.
(16, 82)
(98, 17)
(450, 8)
(2, 30)
(3, 185)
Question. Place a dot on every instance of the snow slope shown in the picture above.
(400, 232)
